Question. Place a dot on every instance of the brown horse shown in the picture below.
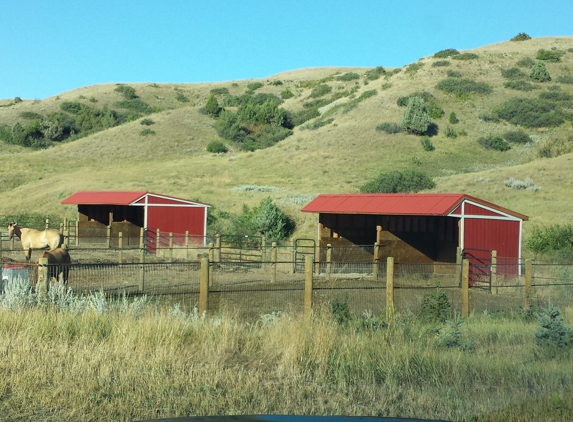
(35, 239)
(58, 267)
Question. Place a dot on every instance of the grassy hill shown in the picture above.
(338, 154)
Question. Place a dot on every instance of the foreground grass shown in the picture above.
(61, 365)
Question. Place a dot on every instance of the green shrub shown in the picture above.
(453, 119)
(490, 118)
(412, 68)
(398, 182)
(299, 117)
(436, 112)
(212, 107)
(318, 123)
(463, 88)
(93, 100)
(555, 237)
(552, 336)
(340, 310)
(465, 56)
(220, 91)
(494, 142)
(276, 82)
(435, 306)
(450, 132)
(386, 86)
(136, 105)
(286, 94)
(529, 112)
(373, 74)
(147, 122)
(427, 144)
(441, 63)
(555, 147)
(71, 107)
(216, 147)
(453, 74)
(320, 91)
(416, 119)
(565, 80)
(539, 72)
(526, 62)
(549, 55)
(389, 127)
(520, 85)
(255, 85)
(517, 137)
(269, 221)
(146, 132)
(349, 76)
(442, 54)
(424, 95)
(513, 73)
(127, 91)
(556, 96)
(181, 97)
(522, 36)
(30, 115)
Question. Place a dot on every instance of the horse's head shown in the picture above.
(13, 229)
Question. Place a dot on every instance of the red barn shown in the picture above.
(421, 228)
(129, 211)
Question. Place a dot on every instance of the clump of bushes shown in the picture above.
(441, 63)
(556, 237)
(220, 91)
(265, 220)
(427, 144)
(320, 90)
(136, 104)
(529, 112)
(453, 119)
(526, 62)
(349, 76)
(389, 127)
(513, 73)
(30, 115)
(146, 132)
(463, 88)
(549, 55)
(181, 97)
(565, 80)
(465, 56)
(412, 68)
(494, 142)
(450, 132)
(522, 36)
(127, 91)
(318, 123)
(373, 74)
(552, 336)
(490, 118)
(555, 147)
(539, 72)
(398, 182)
(216, 147)
(448, 52)
(516, 136)
(556, 95)
(526, 184)
(255, 85)
(147, 122)
(520, 85)
(286, 94)
(453, 74)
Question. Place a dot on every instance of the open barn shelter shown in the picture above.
(130, 211)
(417, 228)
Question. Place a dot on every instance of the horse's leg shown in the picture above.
(28, 254)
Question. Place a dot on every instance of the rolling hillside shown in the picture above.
(339, 156)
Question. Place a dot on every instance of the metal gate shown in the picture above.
(480, 267)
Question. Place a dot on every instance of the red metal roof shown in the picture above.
(100, 197)
(396, 204)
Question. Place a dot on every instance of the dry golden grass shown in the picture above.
(68, 367)
(338, 157)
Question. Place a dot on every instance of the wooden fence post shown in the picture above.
(66, 232)
(376, 260)
(204, 287)
(1, 265)
(528, 279)
(186, 244)
(308, 286)
(317, 258)
(459, 265)
(328, 260)
(293, 250)
(465, 288)
(211, 247)
(142, 258)
(157, 241)
(493, 273)
(389, 288)
(217, 248)
(264, 258)
(170, 246)
(42, 284)
(274, 262)
(77, 233)
(108, 237)
(120, 246)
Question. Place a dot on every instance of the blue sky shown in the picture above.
(51, 47)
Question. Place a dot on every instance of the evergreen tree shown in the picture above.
(416, 119)
(212, 107)
(539, 72)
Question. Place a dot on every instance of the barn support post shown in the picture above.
(493, 273)
(308, 286)
(170, 247)
(108, 237)
(42, 284)
(465, 288)
(376, 260)
(274, 262)
(389, 288)
(66, 233)
(317, 258)
(328, 260)
(217, 248)
(77, 233)
(141, 258)
(459, 265)
(204, 287)
(528, 279)
(120, 246)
